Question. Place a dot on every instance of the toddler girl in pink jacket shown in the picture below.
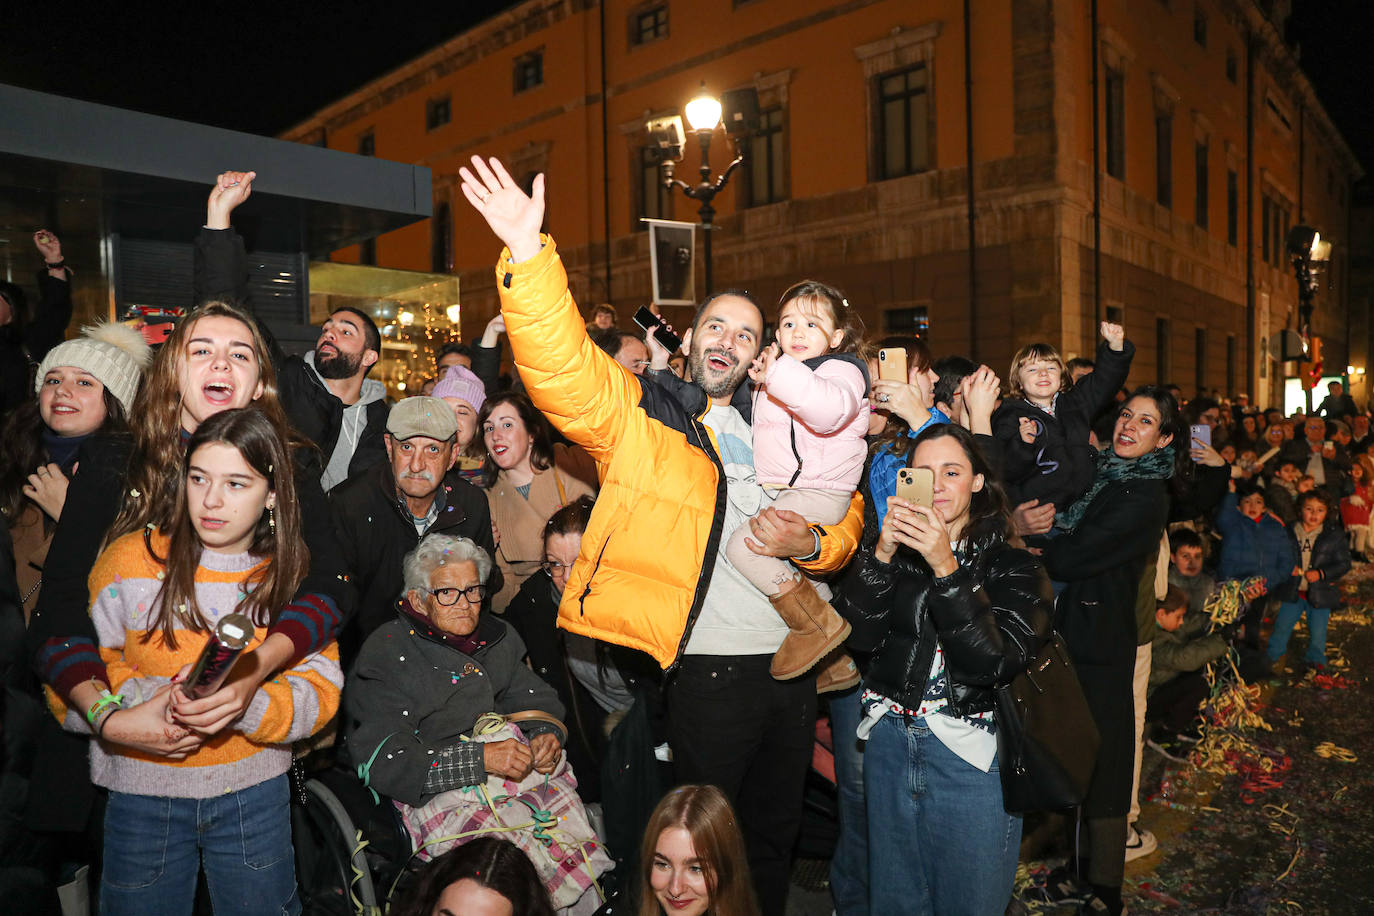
(810, 417)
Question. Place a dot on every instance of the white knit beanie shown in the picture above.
(114, 353)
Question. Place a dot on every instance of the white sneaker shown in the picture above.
(1139, 843)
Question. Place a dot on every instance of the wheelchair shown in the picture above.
(353, 854)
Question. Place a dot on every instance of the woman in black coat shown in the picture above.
(1116, 527)
(962, 612)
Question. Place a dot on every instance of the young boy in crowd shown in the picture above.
(1323, 557)
(1185, 569)
(1253, 543)
(1281, 496)
(1306, 484)
(1177, 688)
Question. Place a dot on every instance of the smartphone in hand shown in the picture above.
(916, 486)
(652, 324)
(892, 364)
(1199, 432)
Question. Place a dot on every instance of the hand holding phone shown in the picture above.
(892, 364)
(916, 486)
(652, 324)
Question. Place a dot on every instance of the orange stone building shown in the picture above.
(933, 158)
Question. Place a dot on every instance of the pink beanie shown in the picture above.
(460, 383)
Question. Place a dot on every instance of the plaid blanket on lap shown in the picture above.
(542, 815)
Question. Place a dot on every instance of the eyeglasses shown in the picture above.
(448, 597)
(549, 566)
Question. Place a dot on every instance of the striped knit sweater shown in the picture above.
(124, 585)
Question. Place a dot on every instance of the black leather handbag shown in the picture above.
(1046, 739)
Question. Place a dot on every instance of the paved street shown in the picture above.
(1298, 838)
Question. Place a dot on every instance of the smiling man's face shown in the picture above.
(723, 345)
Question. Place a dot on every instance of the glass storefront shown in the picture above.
(416, 312)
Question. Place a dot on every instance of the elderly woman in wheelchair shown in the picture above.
(442, 715)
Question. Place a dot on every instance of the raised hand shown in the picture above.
(230, 190)
(1203, 453)
(902, 399)
(48, 245)
(758, 371)
(491, 334)
(659, 355)
(512, 214)
(980, 391)
(1115, 335)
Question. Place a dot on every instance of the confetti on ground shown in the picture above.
(1271, 814)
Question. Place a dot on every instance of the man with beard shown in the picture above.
(327, 394)
(382, 514)
(675, 482)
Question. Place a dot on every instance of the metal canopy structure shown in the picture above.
(101, 176)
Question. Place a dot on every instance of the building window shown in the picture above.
(437, 112)
(1232, 207)
(1164, 159)
(1200, 193)
(367, 252)
(529, 71)
(1232, 66)
(1116, 124)
(655, 201)
(767, 149)
(903, 120)
(914, 321)
(1266, 214)
(1164, 364)
(648, 24)
(1200, 25)
(1280, 236)
(367, 144)
(441, 240)
(1200, 360)
(1232, 383)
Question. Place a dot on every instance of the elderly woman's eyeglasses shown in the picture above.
(448, 597)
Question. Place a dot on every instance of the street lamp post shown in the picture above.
(1309, 253)
(703, 114)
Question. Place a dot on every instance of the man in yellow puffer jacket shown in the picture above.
(674, 485)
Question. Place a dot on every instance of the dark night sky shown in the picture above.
(262, 67)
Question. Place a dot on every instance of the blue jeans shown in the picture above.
(849, 867)
(939, 840)
(154, 846)
(1287, 618)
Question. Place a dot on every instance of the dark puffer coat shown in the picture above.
(1330, 557)
(1058, 466)
(990, 616)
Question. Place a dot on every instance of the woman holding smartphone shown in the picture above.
(961, 612)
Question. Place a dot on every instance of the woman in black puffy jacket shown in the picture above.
(962, 612)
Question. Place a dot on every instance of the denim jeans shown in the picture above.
(1287, 618)
(154, 846)
(939, 841)
(849, 867)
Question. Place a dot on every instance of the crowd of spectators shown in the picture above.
(615, 570)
